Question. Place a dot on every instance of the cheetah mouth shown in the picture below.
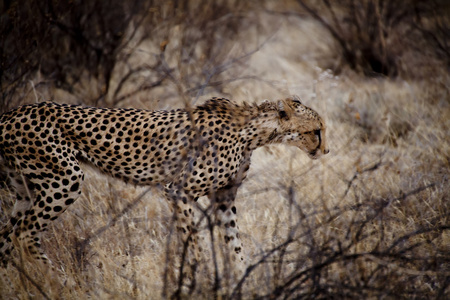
(316, 153)
(313, 154)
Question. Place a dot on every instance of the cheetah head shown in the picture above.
(302, 127)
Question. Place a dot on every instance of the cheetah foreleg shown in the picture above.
(226, 220)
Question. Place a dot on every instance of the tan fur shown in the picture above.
(192, 153)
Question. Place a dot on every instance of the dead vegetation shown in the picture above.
(369, 220)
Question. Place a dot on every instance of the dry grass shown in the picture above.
(369, 220)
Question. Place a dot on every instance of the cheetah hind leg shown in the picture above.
(50, 195)
(24, 193)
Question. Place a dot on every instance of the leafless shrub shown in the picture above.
(193, 50)
(371, 36)
(362, 261)
(64, 41)
(432, 22)
(92, 50)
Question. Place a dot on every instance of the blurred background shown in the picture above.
(369, 220)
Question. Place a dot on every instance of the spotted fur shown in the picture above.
(204, 151)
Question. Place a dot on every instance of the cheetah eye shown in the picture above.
(317, 132)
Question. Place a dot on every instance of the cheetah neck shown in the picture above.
(262, 130)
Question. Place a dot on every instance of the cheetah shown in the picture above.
(189, 153)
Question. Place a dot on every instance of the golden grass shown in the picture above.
(369, 220)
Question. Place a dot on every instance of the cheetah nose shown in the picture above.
(326, 151)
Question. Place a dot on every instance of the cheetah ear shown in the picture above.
(295, 101)
(284, 111)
